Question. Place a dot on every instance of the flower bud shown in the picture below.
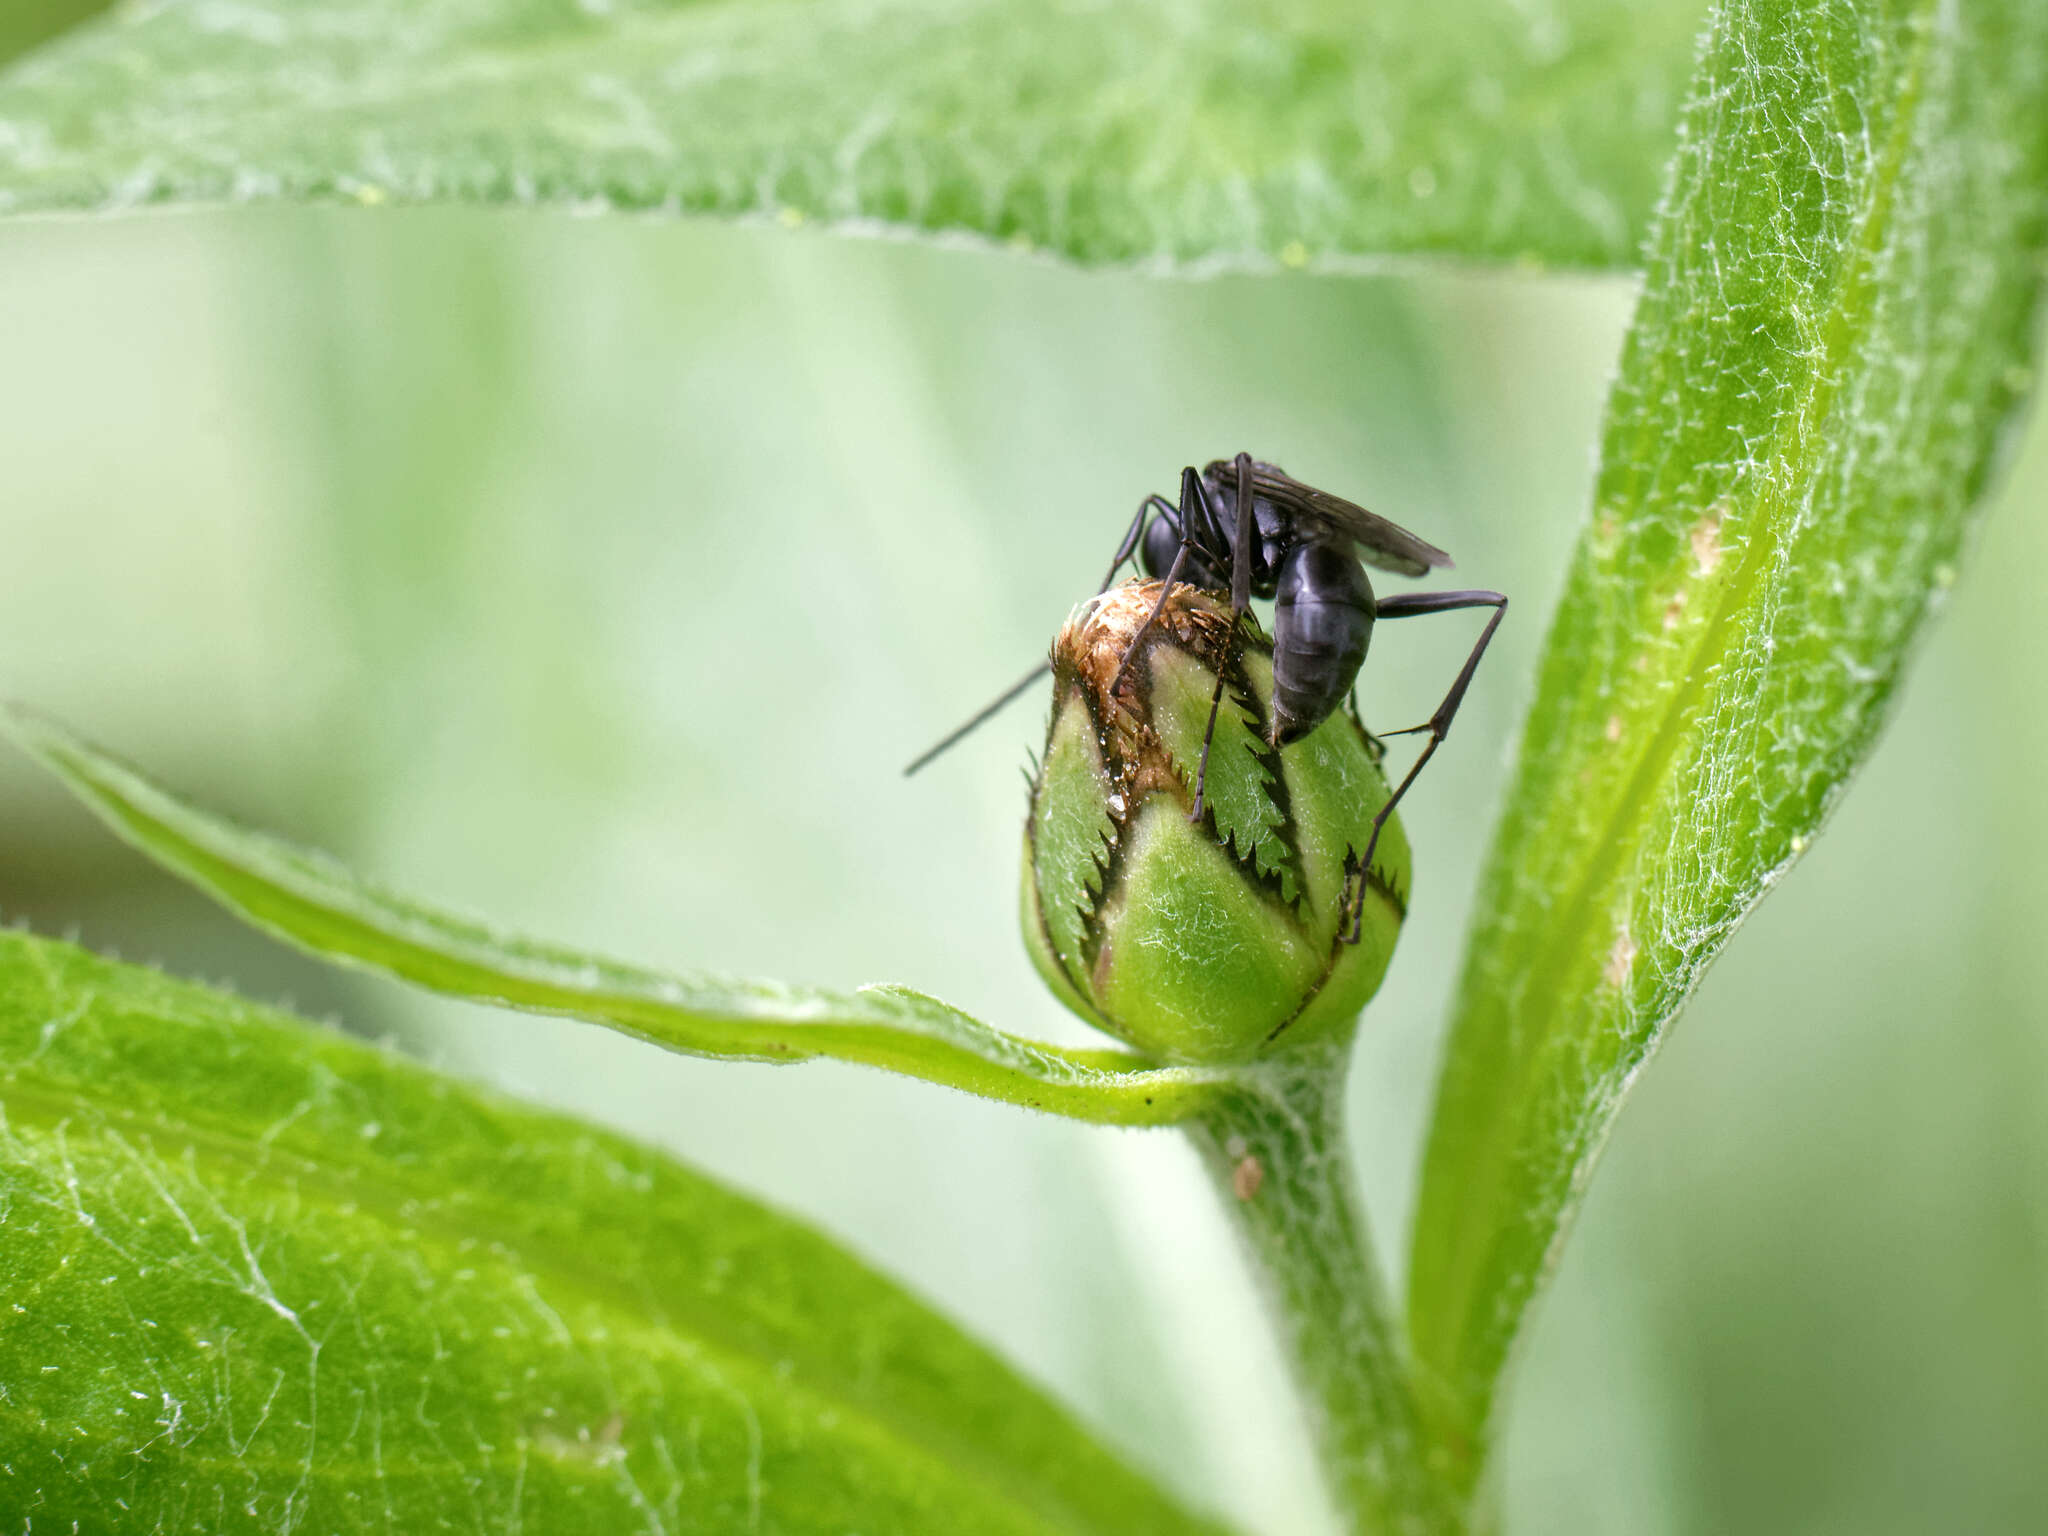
(1205, 941)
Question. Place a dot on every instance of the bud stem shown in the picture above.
(1274, 1146)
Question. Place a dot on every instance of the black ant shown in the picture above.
(1302, 548)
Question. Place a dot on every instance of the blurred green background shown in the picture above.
(599, 577)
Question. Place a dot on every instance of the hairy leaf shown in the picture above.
(313, 902)
(1838, 321)
(1162, 131)
(261, 1277)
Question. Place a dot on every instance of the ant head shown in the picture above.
(1162, 546)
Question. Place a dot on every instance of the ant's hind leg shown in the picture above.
(1407, 605)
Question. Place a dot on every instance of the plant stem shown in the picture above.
(1275, 1148)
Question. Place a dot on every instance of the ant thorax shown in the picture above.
(1206, 563)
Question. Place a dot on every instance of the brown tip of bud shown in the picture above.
(1098, 636)
(1091, 651)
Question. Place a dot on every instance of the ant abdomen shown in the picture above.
(1322, 623)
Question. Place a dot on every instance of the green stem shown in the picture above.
(1274, 1145)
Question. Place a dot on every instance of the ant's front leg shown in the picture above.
(1154, 504)
(1135, 534)
(1240, 603)
(1190, 500)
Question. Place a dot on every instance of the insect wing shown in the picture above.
(1382, 544)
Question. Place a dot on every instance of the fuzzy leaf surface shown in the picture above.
(310, 900)
(262, 1277)
(1167, 132)
(1838, 322)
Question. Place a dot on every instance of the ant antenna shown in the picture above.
(983, 716)
(1125, 551)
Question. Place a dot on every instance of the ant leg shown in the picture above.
(1208, 735)
(1124, 551)
(1407, 605)
(1241, 554)
(1165, 588)
(1240, 602)
(1190, 492)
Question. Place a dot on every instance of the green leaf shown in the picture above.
(311, 901)
(1837, 325)
(25, 23)
(1134, 130)
(262, 1277)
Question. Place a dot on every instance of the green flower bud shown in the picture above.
(1210, 941)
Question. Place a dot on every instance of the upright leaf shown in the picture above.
(260, 1277)
(1165, 131)
(1838, 321)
